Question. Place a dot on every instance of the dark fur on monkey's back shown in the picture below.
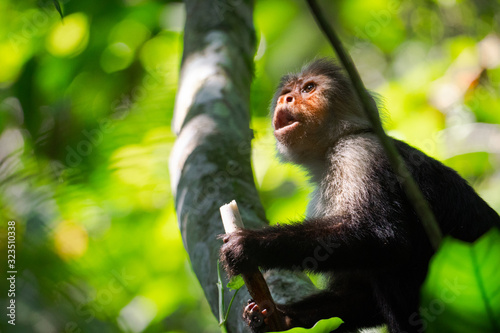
(363, 232)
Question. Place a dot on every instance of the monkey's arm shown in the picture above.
(319, 244)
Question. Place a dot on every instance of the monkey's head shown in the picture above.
(311, 110)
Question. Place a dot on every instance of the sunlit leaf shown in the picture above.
(462, 290)
(69, 38)
(236, 282)
(322, 326)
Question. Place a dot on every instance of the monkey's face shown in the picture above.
(301, 115)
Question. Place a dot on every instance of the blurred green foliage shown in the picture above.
(85, 109)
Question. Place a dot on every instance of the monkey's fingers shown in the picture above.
(252, 307)
(254, 317)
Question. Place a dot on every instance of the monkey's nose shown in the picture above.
(289, 99)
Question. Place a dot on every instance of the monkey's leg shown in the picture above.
(357, 310)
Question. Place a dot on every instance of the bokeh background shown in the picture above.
(85, 110)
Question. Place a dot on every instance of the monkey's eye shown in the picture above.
(308, 87)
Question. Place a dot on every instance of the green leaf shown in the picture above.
(462, 289)
(58, 7)
(236, 282)
(322, 326)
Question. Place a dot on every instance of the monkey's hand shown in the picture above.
(256, 318)
(236, 252)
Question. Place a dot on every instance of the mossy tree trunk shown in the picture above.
(210, 163)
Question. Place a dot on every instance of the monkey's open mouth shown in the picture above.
(284, 120)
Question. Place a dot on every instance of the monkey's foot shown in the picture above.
(254, 317)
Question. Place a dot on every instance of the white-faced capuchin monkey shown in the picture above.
(362, 231)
